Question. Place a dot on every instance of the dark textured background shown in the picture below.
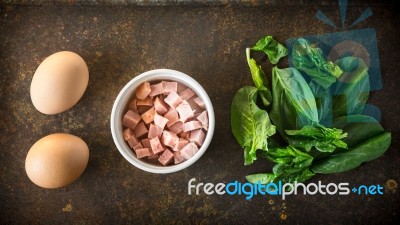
(206, 42)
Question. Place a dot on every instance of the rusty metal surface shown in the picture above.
(207, 43)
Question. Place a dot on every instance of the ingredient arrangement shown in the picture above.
(310, 119)
(165, 122)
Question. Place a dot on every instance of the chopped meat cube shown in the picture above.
(181, 87)
(143, 90)
(132, 105)
(189, 150)
(169, 138)
(139, 145)
(133, 141)
(203, 118)
(173, 99)
(169, 86)
(160, 121)
(178, 158)
(148, 116)
(191, 125)
(131, 119)
(199, 102)
(160, 106)
(172, 116)
(156, 89)
(186, 94)
(181, 143)
(166, 157)
(154, 131)
(140, 129)
(142, 152)
(185, 111)
(184, 135)
(176, 128)
(146, 143)
(145, 102)
(143, 108)
(197, 137)
(156, 146)
(128, 132)
(153, 156)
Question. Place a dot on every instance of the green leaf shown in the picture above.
(293, 102)
(309, 59)
(359, 128)
(352, 89)
(273, 49)
(250, 125)
(291, 165)
(363, 152)
(322, 138)
(259, 79)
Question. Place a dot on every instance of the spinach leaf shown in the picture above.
(291, 165)
(309, 59)
(250, 125)
(322, 138)
(259, 79)
(273, 49)
(352, 89)
(293, 102)
(323, 100)
(359, 128)
(363, 152)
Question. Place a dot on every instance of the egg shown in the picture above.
(56, 160)
(59, 82)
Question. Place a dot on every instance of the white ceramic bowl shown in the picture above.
(120, 106)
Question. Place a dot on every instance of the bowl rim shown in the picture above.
(120, 104)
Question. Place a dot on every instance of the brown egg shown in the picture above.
(59, 82)
(56, 160)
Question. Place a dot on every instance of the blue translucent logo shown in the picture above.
(352, 50)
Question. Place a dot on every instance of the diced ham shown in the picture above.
(140, 129)
(142, 152)
(203, 118)
(189, 150)
(160, 106)
(181, 87)
(156, 146)
(191, 125)
(178, 158)
(131, 119)
(146, 143)
(133, 141)
(169, 86)
(173, 99)
(145, 102)
(181, 143)
(166, 157)
(154, 131)
(194, 106)
(172, 116)
(128, 132)
(160, 121)
(186, 94)
(132, 105)
(197, 137)
(148, 116)
(176, 128)
(169, 138)
(185, 111)
(143, 108)
(199, 102)
(143, 90)
(153, 156)
(156, 89)
(184, 135)
(139, 145)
